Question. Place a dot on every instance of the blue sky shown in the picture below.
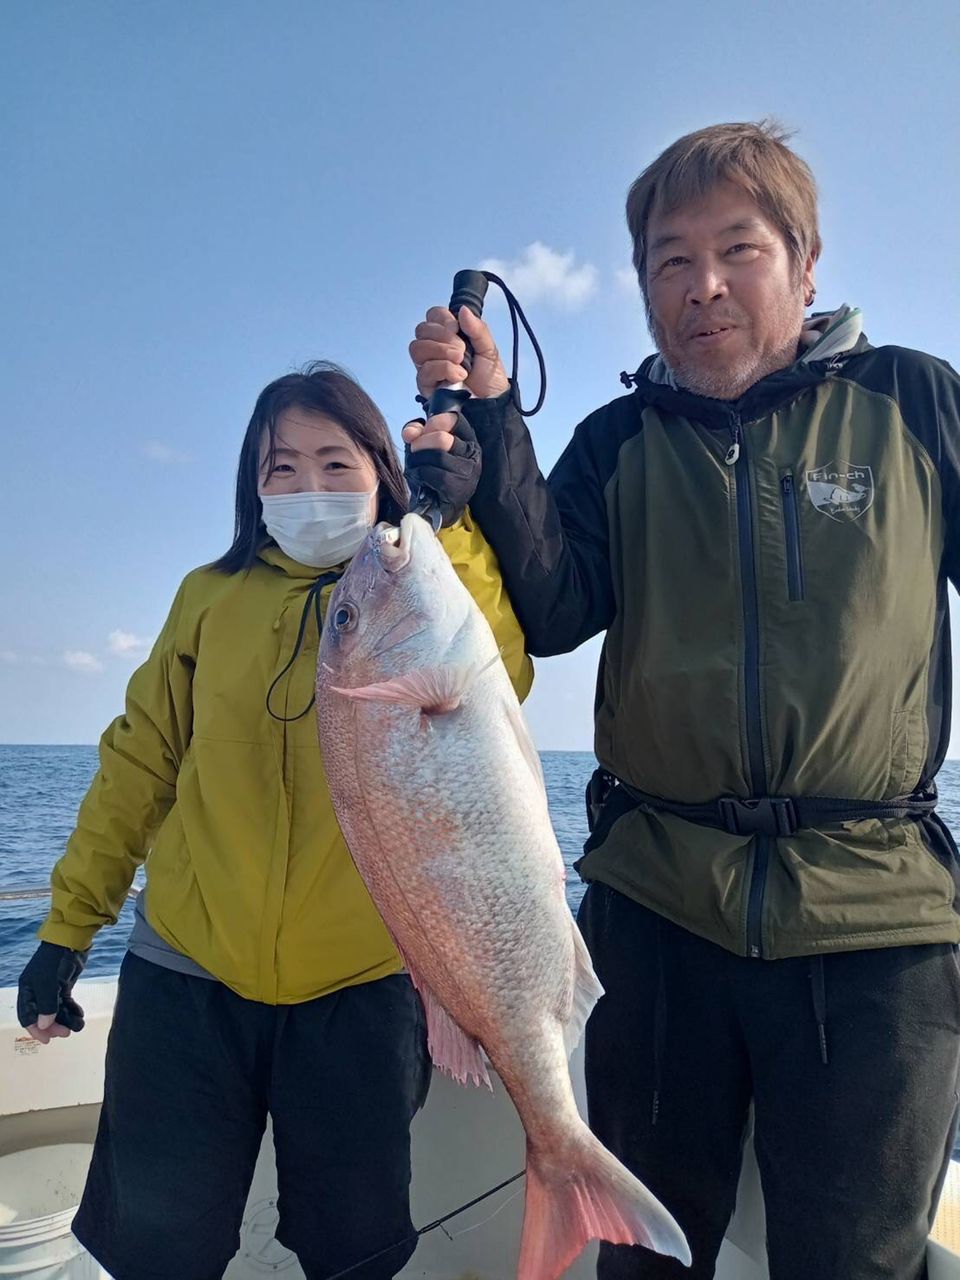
(199, 197)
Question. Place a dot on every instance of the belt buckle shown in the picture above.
(761, 815)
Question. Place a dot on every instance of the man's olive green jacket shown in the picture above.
(771, 574)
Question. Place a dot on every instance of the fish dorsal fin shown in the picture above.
(526, 745)
(433, 690)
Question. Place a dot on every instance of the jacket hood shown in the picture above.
(828, 339)
(271, 554)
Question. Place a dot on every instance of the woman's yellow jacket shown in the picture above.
(247, 872)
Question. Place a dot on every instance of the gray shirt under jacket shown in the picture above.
(146, 943)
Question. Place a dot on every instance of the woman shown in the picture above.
(260, 979)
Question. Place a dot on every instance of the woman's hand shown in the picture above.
(45, 1005)
(449, 469)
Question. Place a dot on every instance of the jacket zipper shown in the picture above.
(737, 458)
(758, 888)
(791, 533)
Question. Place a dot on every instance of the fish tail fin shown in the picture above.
(591, 1197)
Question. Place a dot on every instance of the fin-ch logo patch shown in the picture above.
(841, 490)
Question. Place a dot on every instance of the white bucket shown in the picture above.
(39, 1193)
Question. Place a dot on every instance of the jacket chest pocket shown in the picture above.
(793, 544)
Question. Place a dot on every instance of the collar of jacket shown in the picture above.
(759, 400)
(271, 554)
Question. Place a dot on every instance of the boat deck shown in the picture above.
(464, 1142)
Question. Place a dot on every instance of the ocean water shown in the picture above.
(40, 792)
(41, 789)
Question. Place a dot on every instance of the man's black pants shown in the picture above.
(192, 1071)
(852, 1150)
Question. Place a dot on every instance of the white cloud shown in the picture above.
(543, 274)
(626, 279)
(119, 644)
(10, 658)
(78, 660)
(157, 451)
(122, 643)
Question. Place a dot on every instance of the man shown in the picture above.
(764, 529)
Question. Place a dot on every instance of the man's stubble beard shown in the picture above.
(732, 381)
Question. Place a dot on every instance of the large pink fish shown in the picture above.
(440, 795)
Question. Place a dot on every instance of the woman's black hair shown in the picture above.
(320, 387)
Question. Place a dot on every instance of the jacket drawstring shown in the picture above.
(313, 598)
(659, 1025)
(818, 991)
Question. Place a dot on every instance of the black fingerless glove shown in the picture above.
(46, 985)
(453, 476)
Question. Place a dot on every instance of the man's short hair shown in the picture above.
(756, 158)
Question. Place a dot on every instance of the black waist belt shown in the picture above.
(761, 815)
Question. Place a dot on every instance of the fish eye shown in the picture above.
(345, 617)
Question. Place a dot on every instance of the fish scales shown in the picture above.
(440, 795)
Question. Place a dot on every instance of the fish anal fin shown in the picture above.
(451, 1049)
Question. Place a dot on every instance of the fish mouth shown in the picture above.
(391, 545)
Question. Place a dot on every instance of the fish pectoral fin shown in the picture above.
(432, 690)
(451, 1049)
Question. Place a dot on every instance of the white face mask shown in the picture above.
(319, 529)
